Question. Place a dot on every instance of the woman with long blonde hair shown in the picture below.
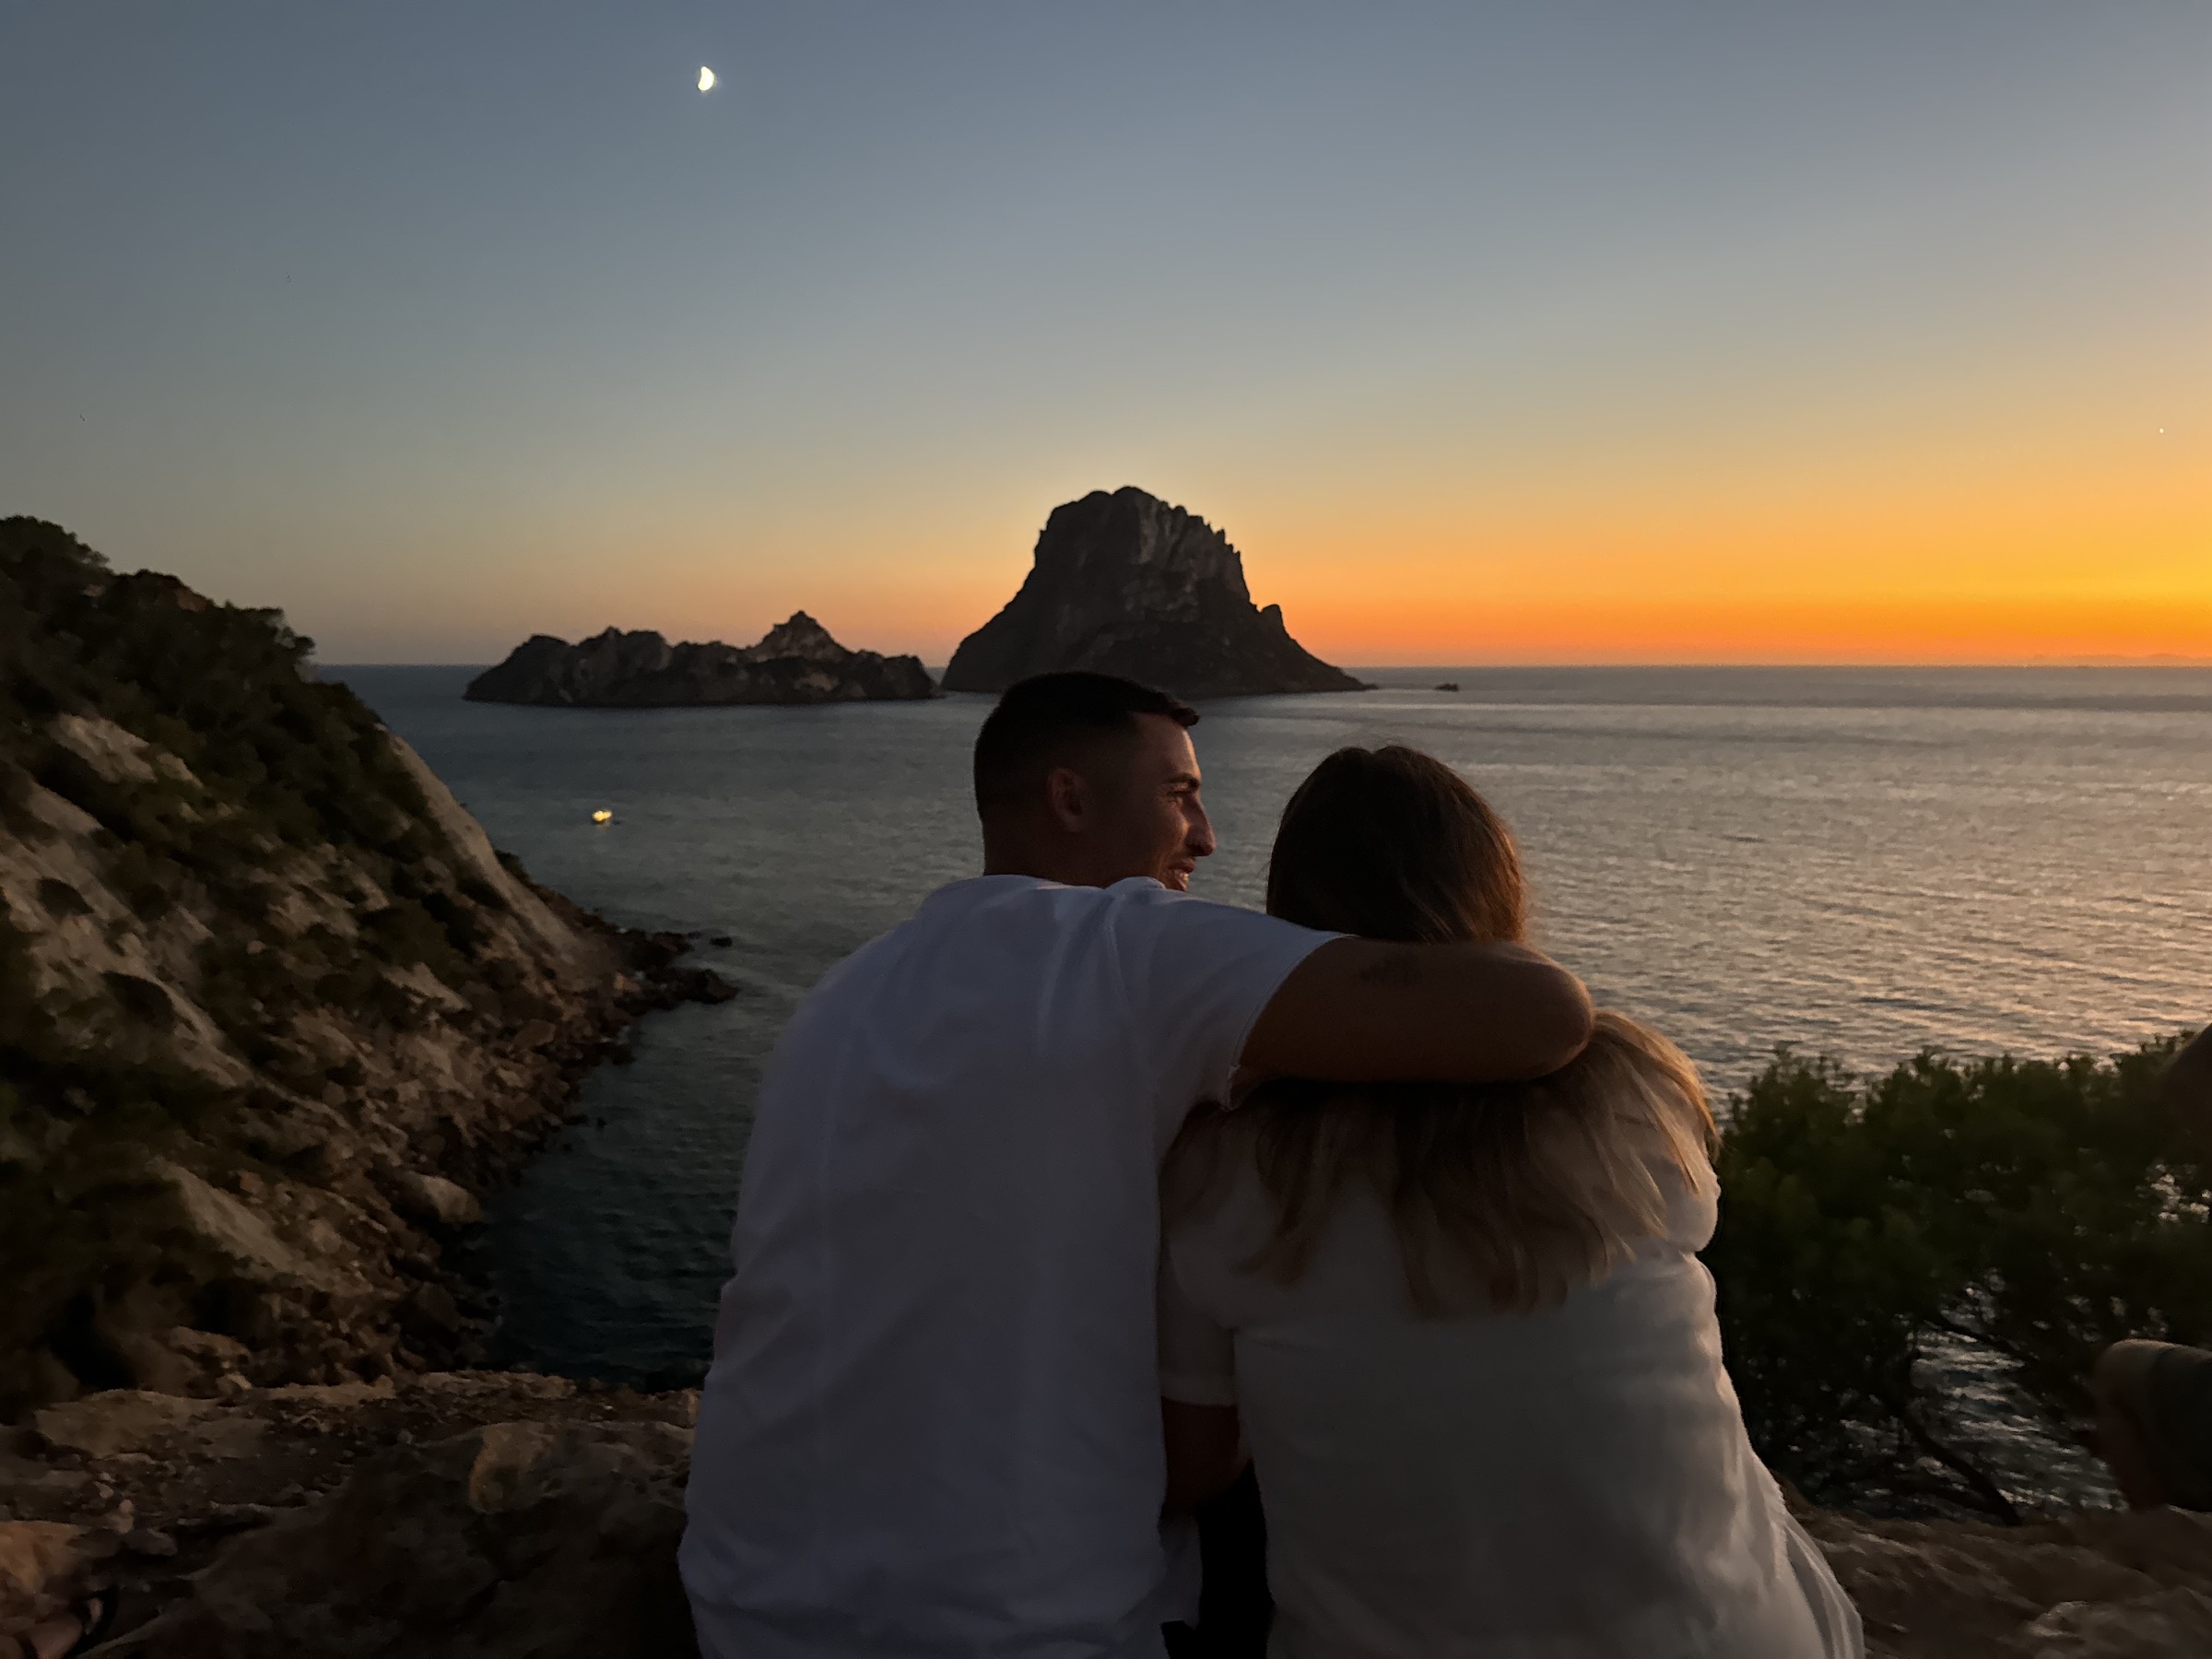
(1463, 1329)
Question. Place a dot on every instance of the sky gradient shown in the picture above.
(1578, 332)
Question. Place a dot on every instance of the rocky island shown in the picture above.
(1124, 584)
(797, 662)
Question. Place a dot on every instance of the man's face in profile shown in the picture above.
(1151, 821)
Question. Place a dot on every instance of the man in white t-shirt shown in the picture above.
(932, 1424)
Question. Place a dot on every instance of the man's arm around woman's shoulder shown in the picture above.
(1368, 1010)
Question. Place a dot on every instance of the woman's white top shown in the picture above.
(1571, 1482)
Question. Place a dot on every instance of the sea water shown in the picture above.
(1855, 861)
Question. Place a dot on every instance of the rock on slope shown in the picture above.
(271, 1008)
(1124, 584)
(475, 1513)
(797, 662)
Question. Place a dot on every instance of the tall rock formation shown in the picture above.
(796, 662)
(1124, 584)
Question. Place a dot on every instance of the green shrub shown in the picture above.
(2041, 1209)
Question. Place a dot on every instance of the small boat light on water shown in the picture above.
(603, 817)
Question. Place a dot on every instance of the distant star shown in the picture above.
(706, 78)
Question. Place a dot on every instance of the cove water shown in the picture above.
(1859, 862)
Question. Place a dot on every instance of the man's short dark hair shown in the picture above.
(1052, 719)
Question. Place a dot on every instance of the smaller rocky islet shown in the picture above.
(797, 662)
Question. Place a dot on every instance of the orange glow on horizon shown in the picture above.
(1975, 573)
(1907, 629)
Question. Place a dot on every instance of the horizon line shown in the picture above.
(2163, 660)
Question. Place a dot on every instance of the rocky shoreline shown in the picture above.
(488, 1514)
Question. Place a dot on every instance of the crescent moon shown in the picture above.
(706, 78)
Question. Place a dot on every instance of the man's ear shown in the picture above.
(1067, 798)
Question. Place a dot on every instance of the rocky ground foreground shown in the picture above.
(480, 1514)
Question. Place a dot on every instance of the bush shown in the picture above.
(2041, 1209)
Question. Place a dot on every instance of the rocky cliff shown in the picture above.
(797, 662)
(1124, 584)
(272, 1011)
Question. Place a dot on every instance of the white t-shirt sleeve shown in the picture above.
(1199, 974)
(1197, 1358)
